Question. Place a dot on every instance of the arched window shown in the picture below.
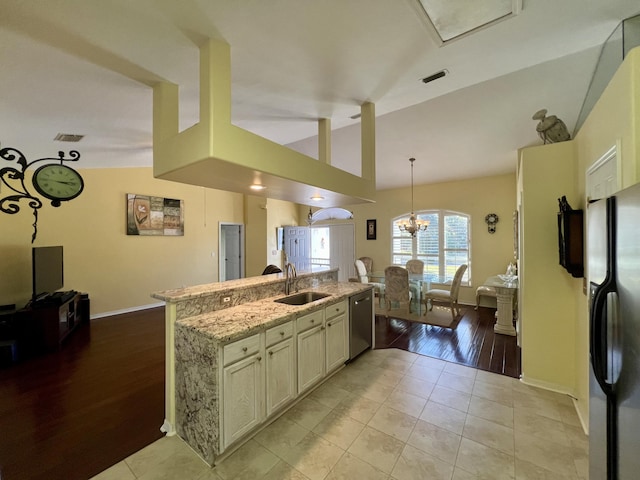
(443, 247)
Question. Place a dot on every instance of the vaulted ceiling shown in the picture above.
(87, 67)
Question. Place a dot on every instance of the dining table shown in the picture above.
(506, 287)
(420, 281)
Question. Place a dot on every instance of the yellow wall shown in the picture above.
(555, 324)
(547, 309)
(118, 271)
(279, 213)
(255, 217)
(614, 120)
(491, 253)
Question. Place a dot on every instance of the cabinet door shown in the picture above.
(310, 357)
(337, 347)
(242, 393)
(280, 375)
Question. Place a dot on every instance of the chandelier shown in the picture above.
(413, 225)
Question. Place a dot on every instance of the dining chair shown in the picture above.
(415, 266)
(484, 291)
(368, 263)
(446, 296)
(396, 281)
(487, 291)
(363, 277)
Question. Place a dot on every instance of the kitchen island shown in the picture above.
(236, 359)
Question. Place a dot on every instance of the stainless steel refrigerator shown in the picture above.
(613, 247)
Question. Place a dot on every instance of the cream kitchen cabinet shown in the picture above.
(336, 336)
(243, 391)
(311, 349)
(264, 373)
(280, 367)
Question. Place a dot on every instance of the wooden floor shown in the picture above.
(471, 343)
(71, 414)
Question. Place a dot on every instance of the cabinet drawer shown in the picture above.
(279, 332)
(310, 320)
(336, 309)
(241, 349)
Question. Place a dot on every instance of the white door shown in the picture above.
(231, 251)
(297, 247)
(343, 250)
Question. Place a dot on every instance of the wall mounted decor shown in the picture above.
(54, 181)
(491, 220)
(154, 216)
(570, 238)
(371, 229)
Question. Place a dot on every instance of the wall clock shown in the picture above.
(491, 220)
(57, 183)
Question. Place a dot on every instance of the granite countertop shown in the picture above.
(196, 291)
(240, 321)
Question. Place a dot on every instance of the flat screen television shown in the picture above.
(47, 270)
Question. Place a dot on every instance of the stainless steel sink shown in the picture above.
(302, 298)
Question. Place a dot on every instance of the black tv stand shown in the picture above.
(46, 323)
(49, 299)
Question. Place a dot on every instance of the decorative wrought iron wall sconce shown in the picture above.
(54, 181)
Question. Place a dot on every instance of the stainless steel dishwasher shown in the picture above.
(360, 323)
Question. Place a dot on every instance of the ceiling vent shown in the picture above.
(68, 137)
(435, 76)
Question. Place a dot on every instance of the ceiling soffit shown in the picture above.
(215, 153)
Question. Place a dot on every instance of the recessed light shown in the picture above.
(317, 198)
(257, 187)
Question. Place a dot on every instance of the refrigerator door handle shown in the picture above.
(599, 337)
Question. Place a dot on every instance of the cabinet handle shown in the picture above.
(329, 324)
(321, 328)
(259, 358)
(313, 321)
(282, 334)
(270, 353)
(244, 349)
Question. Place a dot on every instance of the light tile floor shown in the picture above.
(393, 414)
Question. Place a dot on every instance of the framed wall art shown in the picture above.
(154, 216)
(371, 229)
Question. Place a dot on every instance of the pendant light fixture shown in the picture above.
(413, 225)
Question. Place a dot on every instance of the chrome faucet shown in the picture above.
(290, 276)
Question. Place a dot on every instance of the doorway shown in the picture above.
(333, 246)
(231, 251)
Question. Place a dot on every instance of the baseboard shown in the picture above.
(584, 423)
(126, 310)
(547, 386)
